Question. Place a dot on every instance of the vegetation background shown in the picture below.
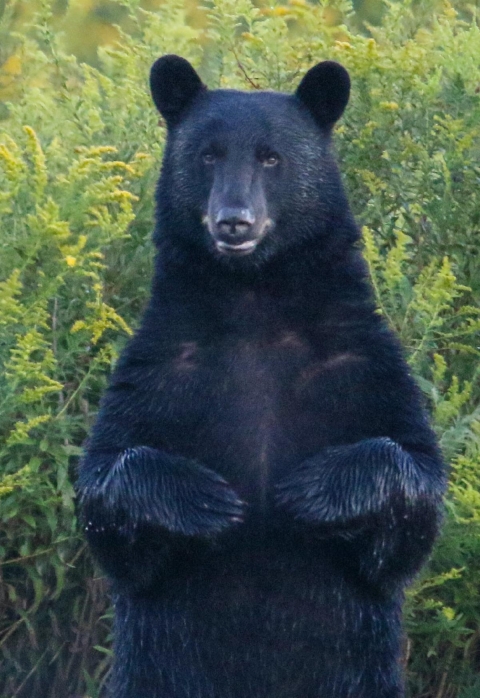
(80, 146)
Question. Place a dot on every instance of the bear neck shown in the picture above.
(313, 274)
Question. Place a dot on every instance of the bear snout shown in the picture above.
(234, 226)
(236, 230)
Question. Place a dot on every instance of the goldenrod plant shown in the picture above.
(80, 146)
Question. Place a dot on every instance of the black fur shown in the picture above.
(325, 90)
(174, 85)
(261, 482)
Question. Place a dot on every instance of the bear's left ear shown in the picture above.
(325, 90)
(174, 85)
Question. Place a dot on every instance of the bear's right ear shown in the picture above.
(174, 85)
(325, 90)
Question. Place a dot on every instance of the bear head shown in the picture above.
(247, 175)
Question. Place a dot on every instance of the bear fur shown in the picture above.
(261, 482)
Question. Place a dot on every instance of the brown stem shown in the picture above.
(247, 77)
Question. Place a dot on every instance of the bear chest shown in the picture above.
(250, 408)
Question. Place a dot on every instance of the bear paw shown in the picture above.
(147, 487)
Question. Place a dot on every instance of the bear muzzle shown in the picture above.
(236, 231)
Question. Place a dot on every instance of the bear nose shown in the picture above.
(234, 221)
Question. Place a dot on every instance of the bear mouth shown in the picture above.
(239, 248)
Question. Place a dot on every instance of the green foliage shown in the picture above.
(79, 154)
(439, 332)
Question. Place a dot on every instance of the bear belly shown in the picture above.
(288, 622)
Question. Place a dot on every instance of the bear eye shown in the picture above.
(209, 158)
(271, 160)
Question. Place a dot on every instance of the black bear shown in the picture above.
(262, 480)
